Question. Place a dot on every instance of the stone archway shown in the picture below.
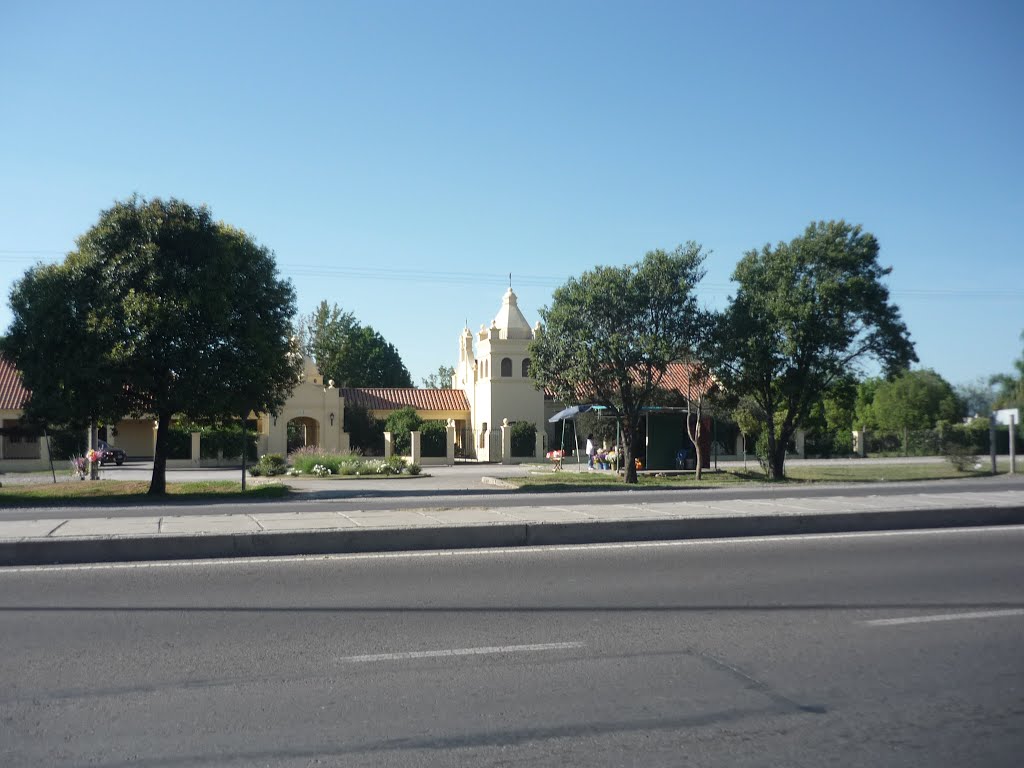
(302, 431)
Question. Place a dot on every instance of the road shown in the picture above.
(898, 649)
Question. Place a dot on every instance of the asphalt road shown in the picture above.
(403, 494)
(899, 649)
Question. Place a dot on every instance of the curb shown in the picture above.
(290, 543)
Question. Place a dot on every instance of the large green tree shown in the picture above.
(1010, 392)
(805, 314)
(914, 400)
(609, 336)
(352, 354)
(173, 314)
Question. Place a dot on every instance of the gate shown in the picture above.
(465, 452)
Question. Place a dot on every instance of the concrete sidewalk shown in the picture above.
(169, 537)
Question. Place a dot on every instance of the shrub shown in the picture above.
(400, 423)
(524, 438)
(414, 469)
(270, 464)
(434, 438)
(366, 434)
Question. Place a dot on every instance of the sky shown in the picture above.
(401, 159)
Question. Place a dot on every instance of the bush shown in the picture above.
(270, 464)
(524, 438)
(434, 438)
(400, 423)
(66, 444)
(179, 443)
(226, 440)
(365, 433)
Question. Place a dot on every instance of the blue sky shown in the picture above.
(401, 158)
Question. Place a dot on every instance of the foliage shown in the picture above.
(269, 465)
(524, 438)
(609, 335)
(442, 379)
(914, 400)
(350, 354)
(805, 314)
(400, 423)
(434, 438)
(66, 443)
(1010, 392)
(226, 440)
(170, 311)
(307, 460)
(365, 433)
(977, 397)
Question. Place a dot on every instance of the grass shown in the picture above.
(796, 474)
(120, 492)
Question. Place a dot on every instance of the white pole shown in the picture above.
(1013, 445)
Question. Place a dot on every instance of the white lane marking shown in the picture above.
(486, 650)
(579, 548)
(945, 617)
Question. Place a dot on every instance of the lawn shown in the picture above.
(796, 474)
(121, 492)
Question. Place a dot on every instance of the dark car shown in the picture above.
(109, 453)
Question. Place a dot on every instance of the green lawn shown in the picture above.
(119, 492)
(797, 474)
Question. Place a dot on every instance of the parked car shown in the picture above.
(109, 453)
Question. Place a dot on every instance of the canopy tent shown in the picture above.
(571, 413)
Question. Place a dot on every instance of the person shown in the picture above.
(590, 451)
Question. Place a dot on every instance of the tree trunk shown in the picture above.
(777, 461)
(158, 483)
(631, 441)
(94, 445)
(694, 433)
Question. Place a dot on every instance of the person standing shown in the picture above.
(590, 451)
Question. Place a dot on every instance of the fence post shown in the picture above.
(506, 442)
(416, 453)
(449, 442)
(992, 440)
(1013, 445)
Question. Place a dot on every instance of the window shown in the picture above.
(526, 367)
(506, 367)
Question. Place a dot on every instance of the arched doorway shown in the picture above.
(303, 431)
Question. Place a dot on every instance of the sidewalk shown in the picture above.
(169, 537)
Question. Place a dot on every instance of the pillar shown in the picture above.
(801, 442)
(195, 454)
(506, 442)
(449, 442)
(416, 453)
(538, 446)
(389, 445)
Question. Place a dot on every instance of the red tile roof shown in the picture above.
(389, 399)
(13, 394)
(676, 380)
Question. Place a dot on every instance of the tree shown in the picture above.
(170, 313)
(1011, 385)
(915, 400)
(700, 386)
(805, 314)
(609, 336)
(352, 354)
(400, 423)
(977, 397)
(440, 380)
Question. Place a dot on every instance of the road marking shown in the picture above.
(486, 650)
(578, 548)
(945, 617)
